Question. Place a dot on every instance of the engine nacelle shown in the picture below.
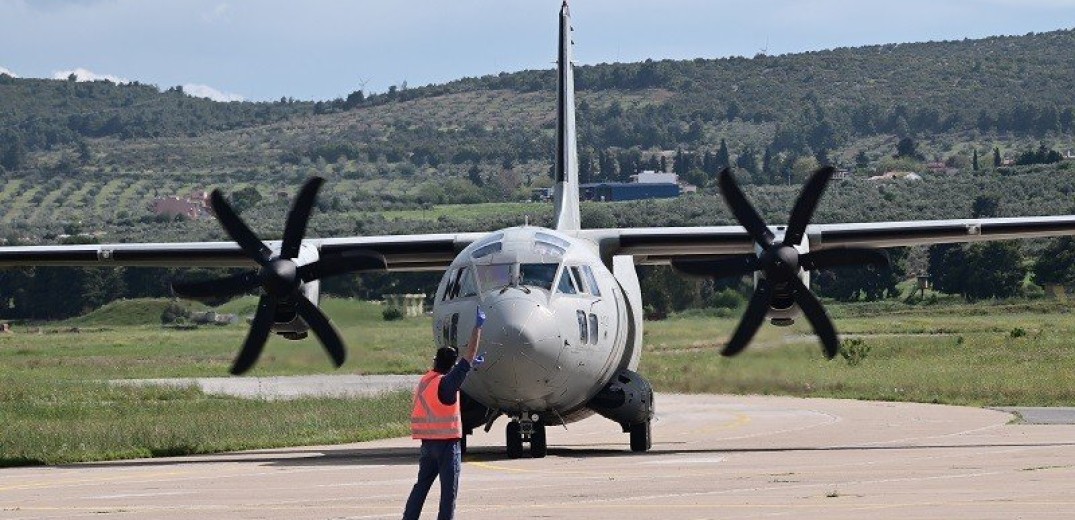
(627, 399)
(288, 324)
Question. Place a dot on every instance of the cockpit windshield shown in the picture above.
(493, 276)
(538, 275)
(496, 276)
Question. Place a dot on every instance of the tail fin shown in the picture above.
(566, 191)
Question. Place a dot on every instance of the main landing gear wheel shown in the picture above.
(514, 440)
(538, 447)
(526, 431)
(641, 439)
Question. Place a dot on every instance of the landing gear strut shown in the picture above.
(526, 429)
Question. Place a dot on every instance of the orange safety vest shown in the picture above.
(432, 419)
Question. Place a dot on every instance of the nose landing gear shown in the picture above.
(529, 429)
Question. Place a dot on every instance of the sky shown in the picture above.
(321, 49)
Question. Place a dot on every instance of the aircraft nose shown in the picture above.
(522, 344)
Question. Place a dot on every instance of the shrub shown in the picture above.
(392, 314)
(174, 313)
(854, 351)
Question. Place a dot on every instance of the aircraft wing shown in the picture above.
(651, 246)
(402, 252)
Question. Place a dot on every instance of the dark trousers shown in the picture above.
(437, 459)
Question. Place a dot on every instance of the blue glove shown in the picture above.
(480, 318)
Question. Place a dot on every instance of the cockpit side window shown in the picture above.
(451, 289)
(576, 273)
(467, 286)
(591, 280)
(567, 283)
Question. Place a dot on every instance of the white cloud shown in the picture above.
(88, 75)
(8, 72)
(205, 91)
(219, 13)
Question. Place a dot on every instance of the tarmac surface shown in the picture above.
(713, 457)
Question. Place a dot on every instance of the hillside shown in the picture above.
(91, 156)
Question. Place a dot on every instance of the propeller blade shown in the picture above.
(743, 211)
(219, 287)
(255, 339)
(718, 267)
(815, 313)
(829, 258)
(752, 318)
(806, 204)
(237, 230)
(350, 262)
(320, 324)
(298, 217)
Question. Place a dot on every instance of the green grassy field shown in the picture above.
(57, 406)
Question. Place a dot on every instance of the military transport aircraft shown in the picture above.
(564, 330)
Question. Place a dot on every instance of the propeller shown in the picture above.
(279, 277)
(780, 287)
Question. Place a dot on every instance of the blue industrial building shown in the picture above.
(616, 191)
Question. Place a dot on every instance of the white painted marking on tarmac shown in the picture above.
(695, 460)
(140, 495)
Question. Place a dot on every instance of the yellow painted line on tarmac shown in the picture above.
(486, 465)
(739, 420)
(89, 480)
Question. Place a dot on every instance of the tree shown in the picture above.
(245, 198)
(906, 147)
(354, 99)
(665, 291)
(864, 282)
(986, 206)
(723, 159)
(767, 165)
(13, 156)
(995, 270)
(948, 268)
(748, 160)
(996, 157)
(974, 160)
(1056, 265)
(862, 161)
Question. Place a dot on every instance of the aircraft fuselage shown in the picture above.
(557, 327)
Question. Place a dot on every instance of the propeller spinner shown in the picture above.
(279, 277)
(780, 261)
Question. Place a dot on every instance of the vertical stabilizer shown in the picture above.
(566, 190)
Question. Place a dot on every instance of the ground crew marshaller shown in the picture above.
(437, 422)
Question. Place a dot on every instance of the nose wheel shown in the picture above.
(526, 430)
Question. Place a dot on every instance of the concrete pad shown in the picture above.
(288, 387)
(713, 457)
